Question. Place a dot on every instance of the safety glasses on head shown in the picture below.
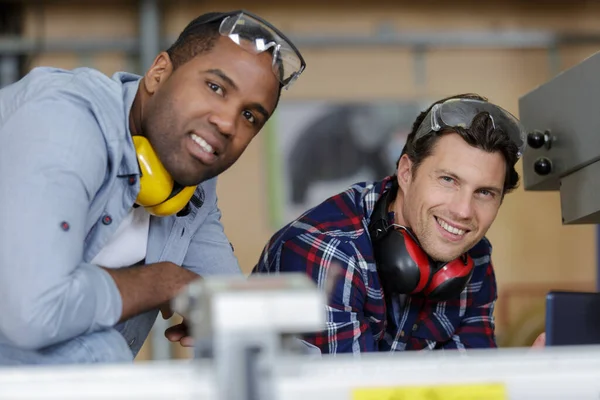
(461, 112)
(260, 36)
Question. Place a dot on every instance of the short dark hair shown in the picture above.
(481, 134)
(196, 38)
(199, 37)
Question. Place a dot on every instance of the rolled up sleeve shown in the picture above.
(52, 162)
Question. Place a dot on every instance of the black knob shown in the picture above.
(542, 166)
(536, 139)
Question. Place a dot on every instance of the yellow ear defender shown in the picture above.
(159, 194)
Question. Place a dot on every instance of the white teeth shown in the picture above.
(449, 228)
(202, 143)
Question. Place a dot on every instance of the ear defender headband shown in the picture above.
(404, 267)
(159, 194)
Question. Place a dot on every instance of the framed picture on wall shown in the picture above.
(319, 148)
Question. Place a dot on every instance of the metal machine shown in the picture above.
(243, 327)
(244, 353)
(563, 152)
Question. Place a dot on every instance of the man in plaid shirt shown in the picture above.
(456, 167)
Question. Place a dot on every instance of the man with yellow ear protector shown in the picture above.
(108, 187)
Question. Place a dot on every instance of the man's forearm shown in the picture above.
(147, 287)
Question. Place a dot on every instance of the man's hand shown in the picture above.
(145, 287)
(540, 341)
(176, 333)
(166, 311)
(180, 333)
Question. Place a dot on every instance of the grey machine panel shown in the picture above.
(562, 117)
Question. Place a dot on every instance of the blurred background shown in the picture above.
(372, 66)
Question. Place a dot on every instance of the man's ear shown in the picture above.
(159, 71)
(404, 172)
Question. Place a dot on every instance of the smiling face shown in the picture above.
(201, 116)
(453, 198)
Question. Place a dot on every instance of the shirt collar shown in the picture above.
(130, 83)
(374, 193)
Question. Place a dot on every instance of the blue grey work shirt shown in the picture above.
(69, 175)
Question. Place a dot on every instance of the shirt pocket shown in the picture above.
(438, 325)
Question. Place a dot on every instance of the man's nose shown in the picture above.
(224, 120)
(462, 205)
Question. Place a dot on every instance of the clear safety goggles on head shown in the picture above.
(288, 63)
(461, 113)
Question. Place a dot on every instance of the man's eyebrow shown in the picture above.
(448, 173)
(492, 189)
(223, 76)
(258, 107)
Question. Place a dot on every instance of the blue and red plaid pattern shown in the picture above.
(332, 240)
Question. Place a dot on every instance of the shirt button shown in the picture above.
(132, 180)
(401, 333)
(106, 220)
(415, 327)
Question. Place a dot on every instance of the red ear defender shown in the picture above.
(450, 278)
(404, 267)
(419, 257)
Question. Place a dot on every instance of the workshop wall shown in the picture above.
(532, 251)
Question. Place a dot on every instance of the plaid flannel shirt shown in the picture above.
(359, 317)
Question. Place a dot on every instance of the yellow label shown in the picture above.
(491, 391)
